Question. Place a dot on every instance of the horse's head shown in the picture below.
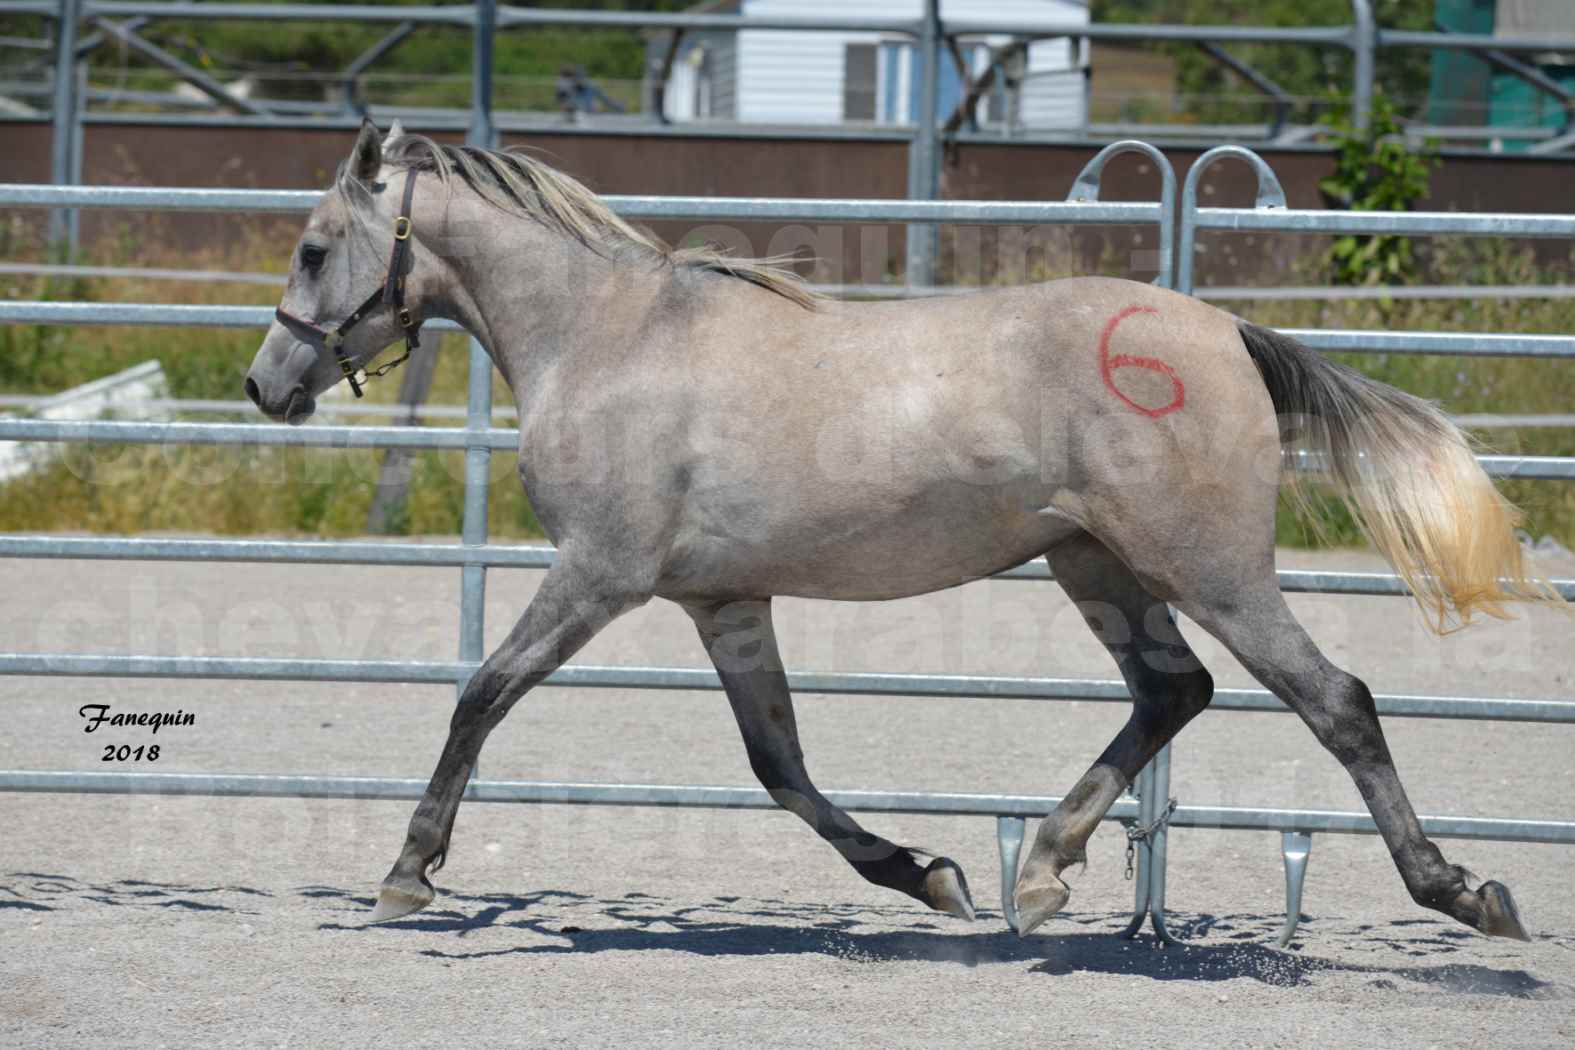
(345, 301)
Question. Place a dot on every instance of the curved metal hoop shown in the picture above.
(1086, 189)
(1270, 195)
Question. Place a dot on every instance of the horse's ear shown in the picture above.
(366, 159)
(396, 131)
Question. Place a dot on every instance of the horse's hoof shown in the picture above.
(1038, 902)
(396, 903)
(1500, 917)
(946, 889)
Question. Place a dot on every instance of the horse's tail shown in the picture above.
(1409, 477)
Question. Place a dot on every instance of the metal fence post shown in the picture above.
(1364, 42)
(1296, 847)
(1156, 843)
(482, 132)
(1270, 195)
(65, 142)
(923, 157)
(1009, 833)
(1143, 871)
(478, 416)
(1153, 783)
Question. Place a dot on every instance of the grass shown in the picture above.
(130, 489)
(235, 491)
(1463, 386)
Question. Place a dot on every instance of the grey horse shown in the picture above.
(703, 429)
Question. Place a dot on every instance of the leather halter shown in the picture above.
(392, 291)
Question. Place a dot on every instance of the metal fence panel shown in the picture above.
(474, 554)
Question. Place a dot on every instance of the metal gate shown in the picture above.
(1145, 816)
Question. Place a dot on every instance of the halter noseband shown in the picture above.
(392, 291)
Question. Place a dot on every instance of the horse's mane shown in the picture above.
(519, 184)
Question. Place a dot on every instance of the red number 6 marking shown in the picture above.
(1108, 366)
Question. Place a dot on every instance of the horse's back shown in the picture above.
(895, 448)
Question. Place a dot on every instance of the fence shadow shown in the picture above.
(1238, 945)
(561, 922)
(37, 891)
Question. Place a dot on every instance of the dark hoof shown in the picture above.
(1500, 917)
(945, 889)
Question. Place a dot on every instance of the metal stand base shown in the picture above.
(1009, 833)
(1153, 792)
(1297, 847)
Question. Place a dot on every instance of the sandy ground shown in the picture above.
(148, 922)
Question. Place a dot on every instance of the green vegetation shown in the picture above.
(134, 488)
(1374, 170)
(1463, 386)
(1308, 73)
(293, 58)
(285, 50)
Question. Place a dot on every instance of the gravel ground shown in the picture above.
(148, 922)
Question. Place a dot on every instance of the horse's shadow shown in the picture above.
(1223, 947)
(37, 891)
(734, 927)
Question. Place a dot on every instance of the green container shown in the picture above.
(1461, 89)
(1465, 90)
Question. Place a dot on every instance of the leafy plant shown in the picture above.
(1375, 170)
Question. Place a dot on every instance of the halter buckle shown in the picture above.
(404, 317)
(402, 228)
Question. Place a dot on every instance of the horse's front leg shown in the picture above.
(574, 602)
(742, 644)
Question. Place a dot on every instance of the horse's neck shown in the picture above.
(531, 296)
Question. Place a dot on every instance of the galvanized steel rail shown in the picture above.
(709, 209)
(245, 785)
(518, 556)
(830, 683)
(262, 435)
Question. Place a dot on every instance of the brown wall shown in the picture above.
(789, 167)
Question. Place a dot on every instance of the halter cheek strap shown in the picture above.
(391, 291)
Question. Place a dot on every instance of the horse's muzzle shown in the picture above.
(296, 407)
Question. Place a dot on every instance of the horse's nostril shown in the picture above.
(252, 391)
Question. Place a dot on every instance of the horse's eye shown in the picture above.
(312, 256)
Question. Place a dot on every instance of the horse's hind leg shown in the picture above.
(1168, 685)
(743, 647)
(1255, 624)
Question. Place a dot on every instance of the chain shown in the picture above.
(1136, 834)
(388, 366)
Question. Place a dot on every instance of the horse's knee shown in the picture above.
(477, 698)
(485, 701)
(1170, 701)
